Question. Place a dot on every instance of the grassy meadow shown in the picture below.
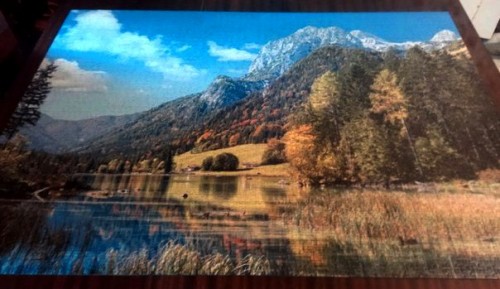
(247, 154)
(378, 233)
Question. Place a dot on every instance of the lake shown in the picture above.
(193, 224)
(234, 216)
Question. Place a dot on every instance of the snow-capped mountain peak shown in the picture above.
(365, 36)
(445, 36)
(279, 55)
(371, 41)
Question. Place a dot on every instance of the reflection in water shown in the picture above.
(144, 186)
(224, 187)
(205, 185)
(24, 234)
(139, 216)
(274, 192)
(77, 237)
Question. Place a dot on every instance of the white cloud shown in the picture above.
(183, 48)
(228, 53)
(251, 46)
(100, 31)
(69, 76)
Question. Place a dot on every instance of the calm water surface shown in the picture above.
(233, 216)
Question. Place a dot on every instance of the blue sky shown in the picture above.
(119, 62)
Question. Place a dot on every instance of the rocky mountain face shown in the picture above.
(225, 91)
(277, 56)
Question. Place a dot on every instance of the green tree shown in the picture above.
(323, 106)
(225, 162)
(207, 163)
(388, 99)
(354, 81)
(12, 155)
(445, 90)
(468, 118)
(438, 158)
(28, 109)
(392, 59)
(365, 152)
(166, 157)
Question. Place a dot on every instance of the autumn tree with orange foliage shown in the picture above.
(233, 140)
(309, 162)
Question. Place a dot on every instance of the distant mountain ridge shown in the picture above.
(277, 56)
(56, 136)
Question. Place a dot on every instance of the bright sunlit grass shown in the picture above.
(454, 222)
(247, 154)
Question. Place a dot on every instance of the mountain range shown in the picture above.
(277, 56)
(56, 136)
(217, 113)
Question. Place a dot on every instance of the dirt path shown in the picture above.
(37, 193)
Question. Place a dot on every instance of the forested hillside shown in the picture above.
(422, 116)
(154, 128)
(264, 115)
(176, 122)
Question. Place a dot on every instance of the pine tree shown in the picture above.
(28, 110)
(388, 99)
(438, 158)
(365, 153)
(323, 106)
(355, 80)
(324, 92)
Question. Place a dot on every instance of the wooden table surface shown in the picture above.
(488, 72)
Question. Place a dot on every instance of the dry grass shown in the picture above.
(176, 259)
(358, 234)
(486, 184)
(451, 221)
(489, 175)
(136, 263)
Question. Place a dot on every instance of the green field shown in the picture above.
(247, 154)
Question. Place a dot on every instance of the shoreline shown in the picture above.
(470, 186)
